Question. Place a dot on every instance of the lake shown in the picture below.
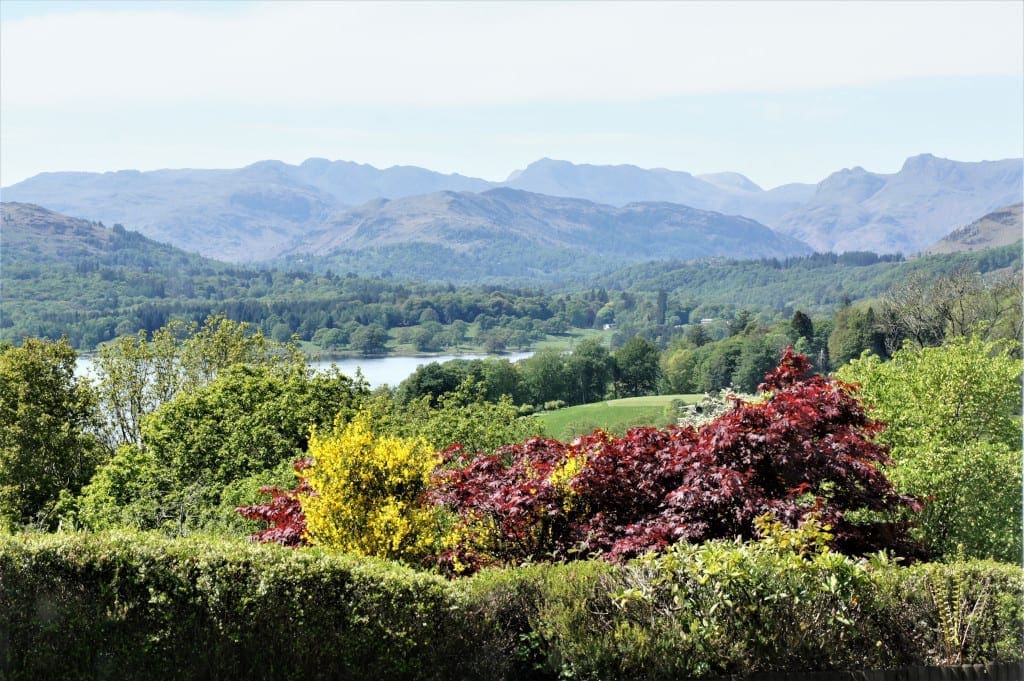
(377, 371)
(393, 370)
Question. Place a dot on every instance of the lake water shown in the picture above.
(377, 371)
(393, 370)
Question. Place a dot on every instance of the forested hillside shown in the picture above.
(505, 235)
(92, 283)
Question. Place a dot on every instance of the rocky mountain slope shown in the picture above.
(523, 222)
(905, 212)
(34, 237)
(729, 193)
(256, 212)
(998, 228)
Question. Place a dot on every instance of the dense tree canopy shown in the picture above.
(636, 368)
(48, 421)
(954, 426)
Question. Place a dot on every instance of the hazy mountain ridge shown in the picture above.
(998, 228)
(461, 236)
(854, 209)
(509, 228)
(257, 212)
(730, 193)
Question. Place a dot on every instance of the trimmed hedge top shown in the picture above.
(127, 606)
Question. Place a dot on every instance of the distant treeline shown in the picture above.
(95, 299)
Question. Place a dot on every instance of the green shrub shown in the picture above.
(780, 604)
(137, 606)
(954, 423)
(526, 409)
(526, 618)
(141, 606)
(960, 612)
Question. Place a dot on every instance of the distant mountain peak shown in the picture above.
(730, 180)
(315, 162)
(921, 159)
(854, 209)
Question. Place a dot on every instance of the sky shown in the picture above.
(779, 91)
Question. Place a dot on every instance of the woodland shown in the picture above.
(206, 485)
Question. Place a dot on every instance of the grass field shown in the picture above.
(615, 416)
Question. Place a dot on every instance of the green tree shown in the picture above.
(756, 359)
(926, 309)
(137, 374)
(369, 340)
(855, 331)
(801, 326)
(462, 416)
(662, 307)
(718, 363)
(637, 368)
(432, 381)
(281, 332)
(678, 366)
(740, 323)
(953, 415)
(696, 335)
(47, 423)
(591, 369)
(248, 420)
(546, 376)
(330, 339)
(130, 490)
(501, 378)
(427, 337)
(455, 334)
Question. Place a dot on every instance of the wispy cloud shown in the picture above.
(781, 91)
(479, 53)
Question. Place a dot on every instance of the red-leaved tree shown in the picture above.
(807, 448)
(286, 522)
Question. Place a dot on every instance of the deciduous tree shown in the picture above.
(805, 449)
(48, 422)
(953, 415)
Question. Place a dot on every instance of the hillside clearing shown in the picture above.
(615, 416)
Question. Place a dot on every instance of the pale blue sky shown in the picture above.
(781, 92)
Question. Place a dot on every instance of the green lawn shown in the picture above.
(569, 340)
(615, 416)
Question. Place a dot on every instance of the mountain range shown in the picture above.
(906, 211)
(453, 236)
(513, 220)
(272, 208)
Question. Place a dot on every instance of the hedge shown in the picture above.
(595, 621)
(128, 605)
(136, 606)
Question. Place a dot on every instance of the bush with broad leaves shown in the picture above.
(807, 448)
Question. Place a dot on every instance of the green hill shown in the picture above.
(614, 416)
(815, 284)
(999, 228)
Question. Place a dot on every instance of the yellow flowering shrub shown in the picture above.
(368, 493)
(562, 476)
